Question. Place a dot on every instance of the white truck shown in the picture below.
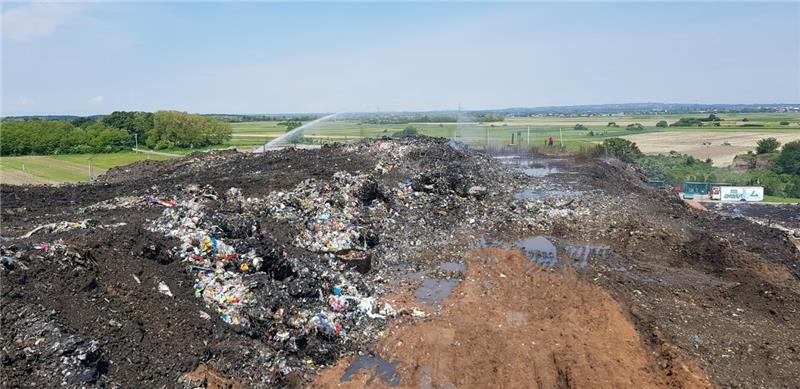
(737, 193)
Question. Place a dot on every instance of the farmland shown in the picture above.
(736, 134)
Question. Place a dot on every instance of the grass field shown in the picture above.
(776, 199)
(700, 142)
(56, 169)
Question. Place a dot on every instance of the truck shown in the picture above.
(741, 193)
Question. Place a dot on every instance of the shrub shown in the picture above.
(621, 148)
(789, 160)
(661, 124)
(408, 131)
(767, 145)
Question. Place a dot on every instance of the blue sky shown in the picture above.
(245, 57)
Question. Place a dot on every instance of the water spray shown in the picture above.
(293, 134)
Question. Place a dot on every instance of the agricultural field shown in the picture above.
(58, 169)
(737, 134)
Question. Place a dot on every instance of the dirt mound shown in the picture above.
(514, 324)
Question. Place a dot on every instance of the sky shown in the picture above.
(259, 57)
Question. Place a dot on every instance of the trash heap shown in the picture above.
(218, 266)
(325, 212)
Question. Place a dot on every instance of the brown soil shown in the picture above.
(512, 324)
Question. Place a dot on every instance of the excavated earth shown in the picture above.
(522, 271)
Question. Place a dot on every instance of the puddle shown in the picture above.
(539, 171)
(453, 266)
(379, 368)
(531, 167)
(433, 291)
(542, 194)
(582, 253)
(540, 250)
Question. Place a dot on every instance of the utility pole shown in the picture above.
(136, 137)
(487, 138)
(91, 171)
(561, 135)
(24, 175)
(529, 137)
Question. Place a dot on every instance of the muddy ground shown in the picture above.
(542, 271)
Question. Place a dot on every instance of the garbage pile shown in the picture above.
(301, 269)
(218, 266)
(324, 213)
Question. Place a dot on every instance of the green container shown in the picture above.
(690, 190)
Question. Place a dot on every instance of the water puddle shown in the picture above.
(433, 291)
(381, 369)
(582, 253)
(543, 251)
(540, 251)
(542, 194)
(539, 171)
(454, 267)
(531, 167)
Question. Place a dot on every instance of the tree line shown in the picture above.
(782, 179)
(115, 132)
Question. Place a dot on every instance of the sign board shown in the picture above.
(741, 193)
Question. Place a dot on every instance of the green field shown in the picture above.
(56, 169)
(776, 199)
(533, 130)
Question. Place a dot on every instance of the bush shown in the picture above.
(784, 123)
(767, 145)
(623, 149)
(687, 122)
(634, 127)
(661, 124)
(291, 124)
(408, 131)
(580, 127)
(612, 124)
(788, 161)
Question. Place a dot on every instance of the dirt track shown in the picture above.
(640, 290)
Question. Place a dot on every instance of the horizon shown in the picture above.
(82, 58)
(445, 111)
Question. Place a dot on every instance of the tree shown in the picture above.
(291, 124)
(136, 123)
(789, 159)
(408, 131)
(767, 145)
(621, 148)
(184, 130)
(661, 124)
(82, 122)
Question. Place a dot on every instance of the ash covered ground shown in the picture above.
(227, 269)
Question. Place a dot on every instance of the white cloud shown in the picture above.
(96, 100)
(35, 20)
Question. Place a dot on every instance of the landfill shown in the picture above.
(273, 270)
